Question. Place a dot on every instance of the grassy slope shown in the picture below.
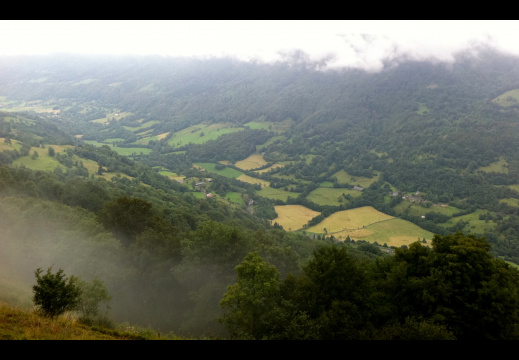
(22, 324)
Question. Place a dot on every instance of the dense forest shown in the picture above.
(131, 170)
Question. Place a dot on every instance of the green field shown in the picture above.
(293, 217)
(271, 141)
(330, 196)
(509, 98)
(253, 180)
(344, 178)
(397, 232)
(199, 134)
(44, 162)
(111, 116)
(38, 106)
(227, 171)
(474, 224)
(146, 140)
(418, 210)
(254, 161)
(510, 201)
(276, 194)
(15, 145)
(234, 197)
(278, 127)
(369, 224)
(500, 166)
(120, 150)
(142, 126)
(422, 109)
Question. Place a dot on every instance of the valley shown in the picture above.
(166, 177)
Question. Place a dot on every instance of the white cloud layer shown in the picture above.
(338, 43)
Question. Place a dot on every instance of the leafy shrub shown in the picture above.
(55, 293)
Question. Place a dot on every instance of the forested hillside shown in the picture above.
(161, 175)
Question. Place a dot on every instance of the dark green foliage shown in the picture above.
(251, 301)
(126, 217)
(456, 290)
(55, 293)
(457, 283)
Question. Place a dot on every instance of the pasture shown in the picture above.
(15, 145)
(43, 162)
(331, 196)
(234, 197)
(344, 178)
(227, 171)
(276, 194)
(369, 224)
(510, 201)
(274, 166)
(354, 219)
(418, 210)
(273, 139)
(38, 106)
(293, 217)
(146, 140)
(120, 150)
(501, 166)
(474, 224)
(278, 127)
(201, 133)
(111, 116)
(508, 98)
(254, 161)
(251, 180)
(397, 232)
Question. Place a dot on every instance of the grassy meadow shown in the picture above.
(501, 166)
(344, 178)
(508, 98)
(293, 217)
(234, 197)
(252, 180)
(349, 219)
(199, 134)
(44, 161)
(15, 145)
(111, 116)
(369, 224)
(254, 161)
(120, 150)
(331, 196)
(274, 166)
(276, 194)
(278, 127)
(227, 172)
(475, 225)
(418, 210)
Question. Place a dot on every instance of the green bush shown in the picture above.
(55, 293)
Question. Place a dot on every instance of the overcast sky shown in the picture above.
(352, 43)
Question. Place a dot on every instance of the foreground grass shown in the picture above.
(20, 324)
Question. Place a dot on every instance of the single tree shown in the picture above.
(93, 295)
(55, 293)
(250, 302)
